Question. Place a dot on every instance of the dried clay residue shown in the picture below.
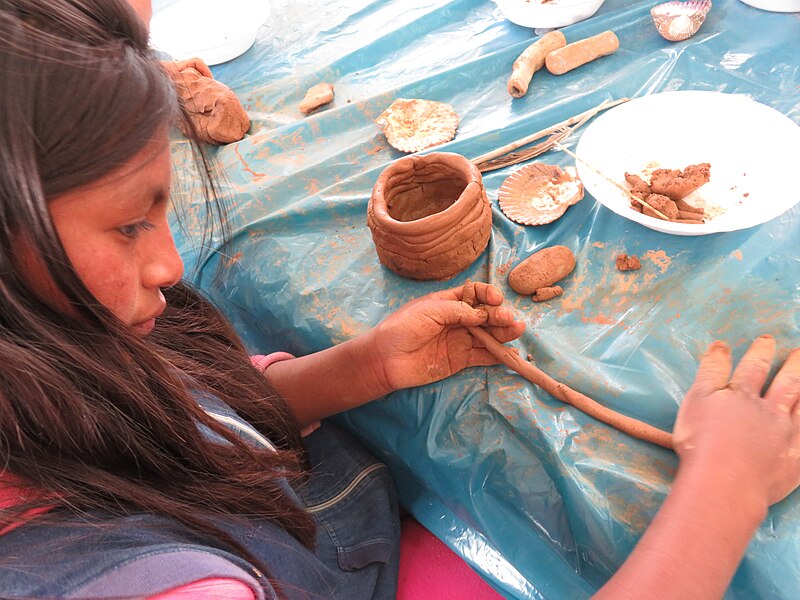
(659, 258)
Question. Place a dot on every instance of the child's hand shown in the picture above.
(426, 340)
(729, 429)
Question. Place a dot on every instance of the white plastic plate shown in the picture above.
(550, 15)
(214, 30)
(775, 5)
(751, 147)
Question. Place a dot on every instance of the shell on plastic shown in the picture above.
(411, 125)
(677, 21)
(539, 193)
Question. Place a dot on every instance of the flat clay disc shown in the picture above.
(414, 125)
(539, 193)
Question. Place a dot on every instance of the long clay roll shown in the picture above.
(531, 60)
(581, 52)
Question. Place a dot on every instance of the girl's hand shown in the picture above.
(426, 340)
(729, 429)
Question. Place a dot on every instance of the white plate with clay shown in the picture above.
(751, 147)
(214, 30)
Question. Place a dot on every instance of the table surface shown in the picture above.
(544, 501)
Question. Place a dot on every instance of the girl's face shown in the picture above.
(115, 233)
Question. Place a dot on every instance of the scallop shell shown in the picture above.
(414, 125)
(677, 21)
(539, 193)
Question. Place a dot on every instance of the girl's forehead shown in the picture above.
(130, 188)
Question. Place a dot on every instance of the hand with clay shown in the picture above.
(726, 425)
(739, 449)
(427, 339)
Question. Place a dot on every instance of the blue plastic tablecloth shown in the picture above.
(542, 500)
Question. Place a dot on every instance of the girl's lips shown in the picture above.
(145, 326)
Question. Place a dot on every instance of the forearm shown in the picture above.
(328, 382)
(695, 543)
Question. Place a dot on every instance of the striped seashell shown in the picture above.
(677, 21)
(539, 193)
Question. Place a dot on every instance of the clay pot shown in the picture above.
(429, 215)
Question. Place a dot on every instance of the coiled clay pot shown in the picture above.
(429, 215)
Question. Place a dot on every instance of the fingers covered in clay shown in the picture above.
(753, 369)
(714, 370)
(531, 60)
(316, 96)
(581, 52)
(784, 391)
(173, 67)
(213, 108)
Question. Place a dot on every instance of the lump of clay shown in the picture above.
(547, 293)
(414, 125)
(215, 111)
(677, 184)
(429, 215)
(541, 270)
(628, 263)
(539, 193)
(316, 96)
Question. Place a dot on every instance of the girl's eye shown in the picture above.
(133, 230)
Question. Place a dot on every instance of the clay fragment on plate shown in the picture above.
(411, 125)
(539, 193)
(677, 21)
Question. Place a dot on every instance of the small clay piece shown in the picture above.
(414, 125)
(662, 204)
(639, 187)
(429, 215)
(677, 21)
(581, 52)
(547, 293)
(531, 60)
(676, 184)
(628, 263)
(541, 269)
(316, 96)
(215, 111)
(539, 193)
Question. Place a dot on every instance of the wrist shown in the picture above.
(730, 490)
(365, 352)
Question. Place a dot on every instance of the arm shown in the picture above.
(424, 341)
(739, 453)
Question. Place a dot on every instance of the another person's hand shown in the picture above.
(174, 67)
(426, 340)
(729, 427)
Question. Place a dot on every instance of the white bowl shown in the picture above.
(556, 13)
(216, 31)
(775, 5)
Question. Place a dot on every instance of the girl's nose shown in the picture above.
(164, 266)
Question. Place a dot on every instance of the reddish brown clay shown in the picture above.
(628, 263)
(429, 216)
(215, 111)
(541, 269)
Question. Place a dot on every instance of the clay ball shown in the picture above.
(429, 216)
(541, 269)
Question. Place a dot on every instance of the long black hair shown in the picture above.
(92, 415)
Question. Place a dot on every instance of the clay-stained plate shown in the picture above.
(411, 125)
(752, 149)
(539, 193)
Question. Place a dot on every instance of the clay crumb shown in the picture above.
(628, 263)
(547, 293)
(316, 96)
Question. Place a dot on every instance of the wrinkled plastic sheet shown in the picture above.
(542, 500)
